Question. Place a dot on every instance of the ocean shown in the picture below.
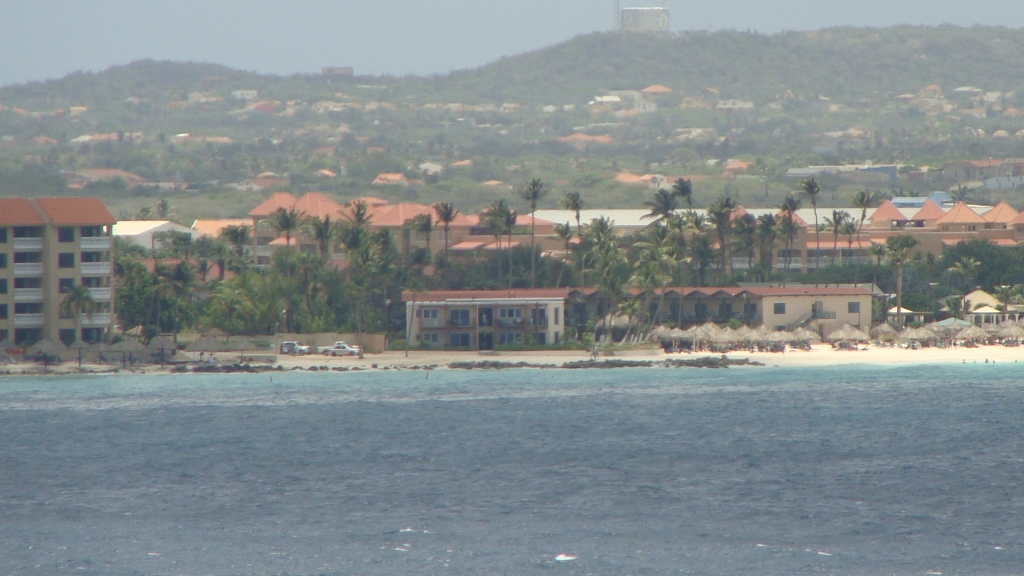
(841, 470)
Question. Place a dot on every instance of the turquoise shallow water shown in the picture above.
(847, 469)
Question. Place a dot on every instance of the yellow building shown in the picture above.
(47, 246)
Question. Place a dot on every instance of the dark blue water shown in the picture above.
(844, 470)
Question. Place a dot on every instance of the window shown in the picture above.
(3, 311)
(3, 285)
(4, 335)
(539, 317)
(65, 285)
(558, 320)
(28, 232)
(510, 338)
(92, 335)
(28, 257)
(65, 234)
(429, 313)
(263, 241)
(93, 281)
(485, 316)
(91, 231)
(750, 309)
(853, 307)
(92, 256)
(779, 308)
(3, 235)
(28, 308)
(540, 338)
(36, 282)
(66, 260)
(66, 335)
(460, 340)
(432, 338)
(510, 313)
(557, 337)
(460, 318)
(3, 260)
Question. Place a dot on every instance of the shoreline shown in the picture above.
(820, 355)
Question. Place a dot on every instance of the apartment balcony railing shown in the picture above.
(28, 269)
(264, 250)
(28, 294)
(823, 315)
(94, 243)
(511, 322)
(28, 243)
(96, 268)
(100, 294)
(793, 263)
(28, 320)
(100, 319)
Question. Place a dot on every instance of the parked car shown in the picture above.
(340, 348)
(293, 347)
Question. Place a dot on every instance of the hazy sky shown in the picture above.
(48, 38)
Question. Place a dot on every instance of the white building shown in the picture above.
(245, 94)
(142, 232)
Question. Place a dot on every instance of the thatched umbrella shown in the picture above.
(80, 346)
(6, 345)
(746, 334)
(241, 345)
(883, 330)
(780, 337)
(1007, 323)
(47, 350)
(1013, 332)
(659, 333)
(803, 334)
(972, 333)
(727, 336)
(848, 333)
(127, 347)
(215, 332)
(917, 335)
(161, 344)
(207, 344)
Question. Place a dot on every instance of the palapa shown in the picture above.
(127, 345)
(883, 329)
(917, 335)
(803, 334)
(727, 336)
(780, 337)
(972, 333)
(164, 342)
(48, 347)
(1012, 333)
(207, 344)
(848, 333)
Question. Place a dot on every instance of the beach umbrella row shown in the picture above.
(848, 333)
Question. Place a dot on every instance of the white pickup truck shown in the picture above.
(340, 348)
(293, 347)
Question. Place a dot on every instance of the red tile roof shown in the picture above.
(318, 205)
(961, 214)
(930, 211)
(1002, 213)
(276, 200)
(396, 215)
(76, 211)
(19, 212)
(527, 293)
(886, 212)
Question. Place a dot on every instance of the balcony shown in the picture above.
(99, 319)
(94, 243)
(264, 250)
(28, 320)
(28, 294)
(95, 268)
(28, 243)
(511, 322)
(100, 294)
(28, 269)
(823, 315)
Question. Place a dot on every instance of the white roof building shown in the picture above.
(141, 231)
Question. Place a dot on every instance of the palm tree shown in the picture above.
(835, 224)
(533, 192)
(574, 202)
(810, 188)
(968, 268)
(423, 224)
(788, 227)
(509, 226)
(878, 251)
(767, 233)
(359, 213)
(720, 214)
(898, 250)
(446, 214)
(848, 229)
(746, 236)
(683, 189)
(702, 255)
(238, 237)
(285, 222)
(863, 200)
(564, 231)
(663, 206)
(77, 301)
(495, 217)
(322, 231)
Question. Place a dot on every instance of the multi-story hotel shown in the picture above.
(48, 245)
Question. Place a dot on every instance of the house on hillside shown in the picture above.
(147, 233)
(390, 179)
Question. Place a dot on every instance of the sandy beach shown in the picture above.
(819, 355)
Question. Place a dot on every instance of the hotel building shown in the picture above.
(48, 245)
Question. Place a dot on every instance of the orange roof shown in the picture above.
(442, 295)
(930, 211)
(282, 241)
(738, 213)
(276, 200)
(108, 174)
(886, 212)
(581, 137)
(19, 212)
(390, 178)
(318, 205)
(493, 183)
(961, 214)
(1002, 242)
(462, 163)
(395, 215)
(796, 218)
(656, 89)
(76, 211)
(1018, 220)
(213, 228)
(628, 178)
(1002, 213)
